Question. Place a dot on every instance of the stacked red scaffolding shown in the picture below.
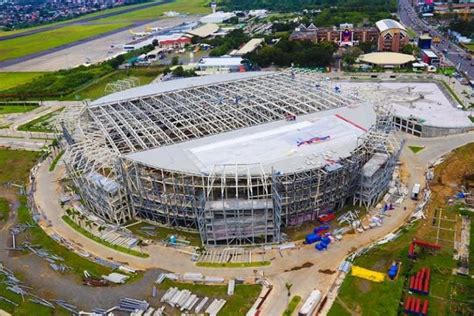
(414, 306)
(423, 244)
(420, 282)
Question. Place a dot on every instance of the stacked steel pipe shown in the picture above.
(420, 282)
(415, 306)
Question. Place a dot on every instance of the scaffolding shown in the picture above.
(233, 204)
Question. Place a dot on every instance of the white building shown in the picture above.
(261, 13)
(218, 17)
(220, 64)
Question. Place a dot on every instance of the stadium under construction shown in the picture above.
(236, 157)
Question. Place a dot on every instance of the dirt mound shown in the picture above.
(326, 271)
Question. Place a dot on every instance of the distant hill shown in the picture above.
(298, 5)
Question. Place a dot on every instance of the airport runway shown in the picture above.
(85, 20)
(94, 49)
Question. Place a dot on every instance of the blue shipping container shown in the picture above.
(312, 238)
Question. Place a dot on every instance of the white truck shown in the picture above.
(310, 304)
(415, 192)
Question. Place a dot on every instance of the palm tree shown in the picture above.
(101, 229)
(288, 288)
(200, 250)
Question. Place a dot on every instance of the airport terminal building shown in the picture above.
(236, 157)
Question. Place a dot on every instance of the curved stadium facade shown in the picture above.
(237, 157)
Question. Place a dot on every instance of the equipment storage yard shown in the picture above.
(166, 153)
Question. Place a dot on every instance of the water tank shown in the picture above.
(392, 272)
(311, 303)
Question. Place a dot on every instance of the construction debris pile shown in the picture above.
(231, 254)
(14, 285)
(112, 234)
(189, 277)
(185, 300)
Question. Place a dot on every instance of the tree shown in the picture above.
(368, 47)
(101, 229)
(350, 55)
(410, 49)
(288, 288)
(175, 60)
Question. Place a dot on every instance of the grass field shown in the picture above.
(95, 14)
(4, 209)
(182, 6)
(41, 124)
(470, 46)
(12, 79)
(448, 292)
(237, 305)
(15, 165)
(9, 109)
(18, 47)
(295, 300)
(25, 308)
(55, 161)
(416, 149)
(96, 89)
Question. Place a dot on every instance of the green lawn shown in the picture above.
(470, 46)
(416, 149)
(41, 124)
(295, 300)
(9, 109)
(30, 44)
(182, 6)
(339, 310)
(39, 27)
(96, 89)
(12, 79)
(4, 209)
(15, 165)
(95, 238)
(25, 308)
(411, 33)
(452, 93)
(237, 304)
(162, 233)
(55, 161)
(22, 46)
(233, 264)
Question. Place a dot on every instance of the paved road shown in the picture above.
(455, 54)
(84, 20)
(304, 279)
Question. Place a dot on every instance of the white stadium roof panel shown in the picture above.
(311, 140)
(388, 24)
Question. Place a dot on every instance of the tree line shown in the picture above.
(298, 53)
(298, 5)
